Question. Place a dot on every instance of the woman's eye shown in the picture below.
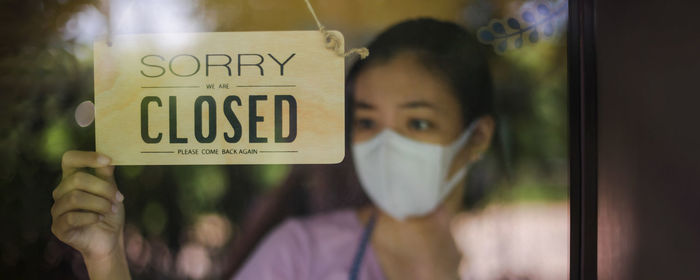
(364, 123)
(419, 124)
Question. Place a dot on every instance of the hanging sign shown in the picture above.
(219, 98)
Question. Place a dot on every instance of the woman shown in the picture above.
(421, 115)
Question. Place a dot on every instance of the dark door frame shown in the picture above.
(583, 153)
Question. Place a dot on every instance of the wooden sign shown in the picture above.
(219, 98)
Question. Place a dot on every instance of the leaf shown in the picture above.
(528, 17)
(486, 36)
(513, 23)
(543, 9)
(502, 46)
(548, 30)
(518, 42)
(498, 28)
(534, 36)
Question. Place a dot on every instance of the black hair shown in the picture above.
(444, 48)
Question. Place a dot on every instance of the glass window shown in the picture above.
(456, 163)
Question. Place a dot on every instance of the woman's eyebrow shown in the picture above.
(418, 104)
(363, 105)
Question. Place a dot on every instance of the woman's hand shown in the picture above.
(88, 214)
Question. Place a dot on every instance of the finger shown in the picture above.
(106, 173)
(72, 220)
(82, 201)
(88, 183)
(74, 160)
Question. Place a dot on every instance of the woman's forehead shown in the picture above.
(401, 81)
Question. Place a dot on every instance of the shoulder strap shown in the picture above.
(366, 234)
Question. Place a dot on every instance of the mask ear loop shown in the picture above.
(460, 143)
(461, 173)
(464, 137)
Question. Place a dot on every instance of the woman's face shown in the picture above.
(405, 97)
(402, 95)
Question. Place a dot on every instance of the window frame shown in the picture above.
(583, 150)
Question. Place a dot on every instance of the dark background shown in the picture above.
(648, 139)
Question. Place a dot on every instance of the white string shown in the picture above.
(106, 9)
(332, 41)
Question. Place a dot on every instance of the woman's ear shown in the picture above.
(480, 139)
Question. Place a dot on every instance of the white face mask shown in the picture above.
(405, 177)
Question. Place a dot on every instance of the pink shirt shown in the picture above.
(318, 247)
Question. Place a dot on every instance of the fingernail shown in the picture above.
(120, 196)
(114, 208)
(101, 218)
(103, 160)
